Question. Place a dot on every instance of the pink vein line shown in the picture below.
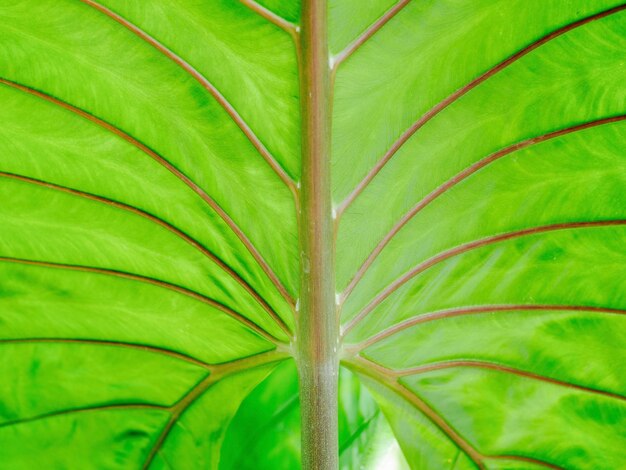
(474, 310)
(157, 220)
(111, 343)
(183, 404)
(462, 176)
(368, 33)
(172, 169)
(468, 247)
(148, 280)
(232, 112)
(519, 458)
(458, 94)
(504, 369)
(385, 377)
(194, 394)
(389, 378)
(86, 409)
(272, 17)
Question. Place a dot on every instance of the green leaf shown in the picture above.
(482, 251)
(267, 426)
(168, 245)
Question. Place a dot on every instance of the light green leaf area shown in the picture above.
(150, 170)
(480, 178)
(350, 18)
(289, 10)
(138, 302)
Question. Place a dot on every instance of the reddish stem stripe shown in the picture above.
(475, 310)
(179, 233)
(224, 103)
(173, 170)
(504, 369)
(465, 248)
(316, 329)
(459, 93)
(148, 280)
(462, 176)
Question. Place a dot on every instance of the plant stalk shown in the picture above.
(317, 330)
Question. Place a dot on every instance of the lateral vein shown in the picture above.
(157, 220)
(269, 15)
(368, 33)
(475, 310)
(458, 178)
(458, 94)
(148, 280)
(488, 365)
(198, 390)
(172, 169)
(399, 282)
(207, 85)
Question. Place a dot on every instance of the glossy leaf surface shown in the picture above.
(150, 169)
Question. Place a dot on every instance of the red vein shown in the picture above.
(526, 459)
(232, 112)
(157, 220)
(458, 94)
(368, 33)
(382, 375)
(468, 247)
(389, 378)
(228, 107)
(118, 344)
(198, 390)
(53, 414)
(176, 410)
(184, 403)
(172, 169)
(156, 282)
(469, 171)
(272, 17)
(474, 310)
(504, 369)
(279, 351)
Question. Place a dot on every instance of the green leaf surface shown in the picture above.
(151, 252)
(487, 289)
(267, 426)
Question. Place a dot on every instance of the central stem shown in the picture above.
(318, 330)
